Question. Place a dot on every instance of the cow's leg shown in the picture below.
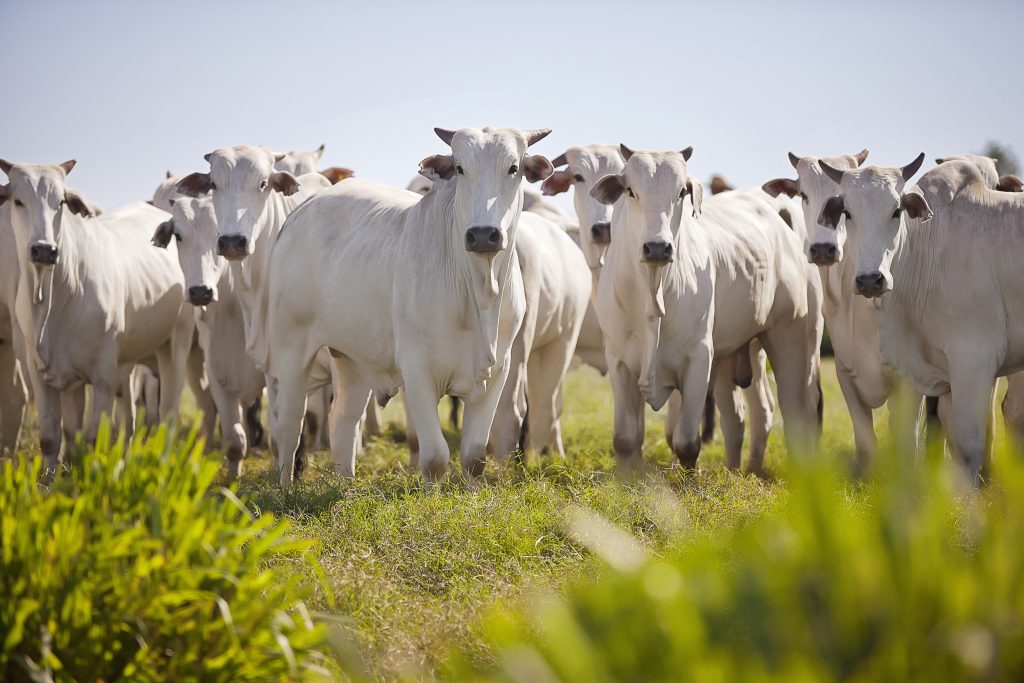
(1013, 407)
(864, 439)
(287, 393)
(72, 413)
(546, 369)
(126, 402)
(628, 428)
(199, 384)
(421, 398)
(796, 378)
(374, 422)
(511, 410)
(686, 442)
(232, 432)
(411, 438)
(103, 395)
(351, 394)
(971, 389)
(760, 410)
(675, 402)
(12, 398)
(172, 361)
(48, 409)
(477, 417)
(728, 398)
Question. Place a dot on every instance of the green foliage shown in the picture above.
(911, 578)
(1006, 160)
(133, 566)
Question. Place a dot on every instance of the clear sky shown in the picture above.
(131, 89)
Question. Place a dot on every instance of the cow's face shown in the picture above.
(40, 202)
(241, 180)
(488, 166)
(193, 226)
(873, 202)
(823, 245)
(298, 163)
(584, 166)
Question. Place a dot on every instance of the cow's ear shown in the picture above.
(195, 184)
(76, 204)
(832, 212)
(916, 206)
(785, 186)
(557, 183)
(67, 166)
(537, 167)
(4, 194)
(608, 189)
(284, 182)
(279, 156)
(696, 192)
(164, 233)
(337, 173)
(319, 151)
(438, 167)
(1010, 183)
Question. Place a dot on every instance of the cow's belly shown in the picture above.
(149, 327)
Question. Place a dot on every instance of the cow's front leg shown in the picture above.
(476, 422)
(686, 442)
(730, 405)
(172, 361)
(421, 398)
(628, 429)
(346, 415)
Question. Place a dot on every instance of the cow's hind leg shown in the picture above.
(351, 393)
(13, 397)
(511, 411)
(1013, 407)
(172, 361)
(728, 397)
(760, 410)
(546, 370)
(796, 377)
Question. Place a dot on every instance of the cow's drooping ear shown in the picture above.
(1010, 183)
(76, 204)
(833, 210)
(608, 189)
(834, 174)
(557, 183)
(195, 184)
(536, 167)
(696, 192)
(916, 206)
(910, 169)
(4, 194)
(319, 151)
(337, 173)
(785, 186)
(687, 153)
(67, 166)
(438, 167)
(164, 233)
(284, 182)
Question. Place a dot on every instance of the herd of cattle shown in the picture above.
(264, 274)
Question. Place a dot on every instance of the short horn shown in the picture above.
(626, 152)
(910, 169)
(560, 160)
(794, 159)
(834, 174)
(535, 136)
(861, 156)
(445, 135)
(687, 153)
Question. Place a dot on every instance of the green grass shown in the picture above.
(414, 573)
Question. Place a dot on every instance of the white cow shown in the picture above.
(937, 257)
(686, 287)
(301, 163)
(13, 382)
(446, 291)
(94, 297)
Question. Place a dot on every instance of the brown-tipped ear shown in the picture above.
(337, 173)
(535, 136)
(6, 166)
(916, 206)
(445, 135)
(687, 153)
(560, 160)
(195, 184)
(557, 183)
(536, 167)
(319, 151)
(284, 182)
(794, 159)
(832, 212)
(1010, 183)
(625, 151)
(910, 169)
(164, 233)
(696, 192)
(438, 167)
(608, 189)
(76, 204)
(68, 165)
(785, 186)
(861, 156)
(834, 174)
(4, 194)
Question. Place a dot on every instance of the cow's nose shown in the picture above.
(601, 232)
(43, 254)
(823, 254)
(657, 252)
(233, 247)
(200, 295)
(483, 239)
(870, 284)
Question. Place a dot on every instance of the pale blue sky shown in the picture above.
(131, 89)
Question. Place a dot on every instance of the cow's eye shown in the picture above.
(61, 203)
(459, 169)
(578, 178)
(17, 202)
(263, 185)
(682, 193)
(630, 191)
(177, 237)
(847, 214)
(896, 213)
(803, 196)
(513, 169)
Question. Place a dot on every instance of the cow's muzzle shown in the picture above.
(871, 285)
(483, 240)
(233, 247)
(823, 254)
(43, 254)
(657, 252)
(601, 233)
(200, 295)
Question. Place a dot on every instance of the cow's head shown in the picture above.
(873, 202)
(989, 171)
(822, 246)
(298, 163)
(241, 180)
(40, 201)
(194, 226)
(488, 166)
(584, 166)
